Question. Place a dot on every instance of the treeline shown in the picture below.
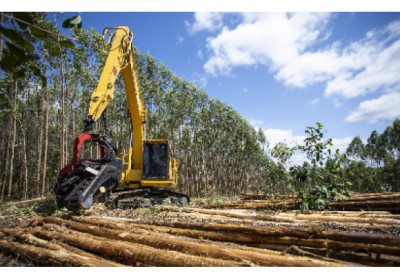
(45, 96)
(375, 165)
(218, 151)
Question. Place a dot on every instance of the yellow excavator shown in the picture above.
(142, 177)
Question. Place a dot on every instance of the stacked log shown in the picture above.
(183, 236)
(258, 204)
(358, 247)
(99, 242)
(368, 201)
(371, 201)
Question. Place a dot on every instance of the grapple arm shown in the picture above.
(79, 181)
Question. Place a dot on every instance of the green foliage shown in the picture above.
(75, 21)
(282, 152)
(48, 207)
(213, 199)
(315, 145)
(17, 211)
(374, 166)
(319, 186)
(22, 43)
(39, 34)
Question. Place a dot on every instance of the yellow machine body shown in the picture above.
(121, 58)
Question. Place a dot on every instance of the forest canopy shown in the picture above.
(46, 82)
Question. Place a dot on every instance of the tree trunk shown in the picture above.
(25, 164)
(46, 140)
(40, 139)
(66, 120)
(73, 120)
(6, 168)
(62, 159)
(13, 136)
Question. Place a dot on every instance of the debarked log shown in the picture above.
(89, 259)
(268, 258)
(281, 231)
(343, 219)
(46, 256)
(243, 238)
(128, 253)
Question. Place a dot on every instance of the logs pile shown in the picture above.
(200, 237)
(367, 201)
(259, 201)
(371, 201)
(97, 242)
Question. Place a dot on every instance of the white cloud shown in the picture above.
(385, 107)
(205, 21)
(200, 54)
(341, 144)
(273, 39)
(257, 124)
(315, 101)
(274, 136)
(290, 45)
(285, 43)
(378, 67)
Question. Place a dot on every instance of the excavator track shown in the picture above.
(145, 197)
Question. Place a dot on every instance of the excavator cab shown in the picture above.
(159, 165)
(155, 161)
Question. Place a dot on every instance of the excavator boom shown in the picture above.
(148, 164)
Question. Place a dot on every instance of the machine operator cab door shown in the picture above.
(159, 165)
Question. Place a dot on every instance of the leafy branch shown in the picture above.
(19, 57)
(327, 184)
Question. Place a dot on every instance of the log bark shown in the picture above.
(88, 259)
(316, 217)
(246, 238)
(127, 252)
(326, 222)
(47, 256)
(356, 237)
(269, 258)
(288, 217)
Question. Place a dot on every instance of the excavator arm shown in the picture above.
(81, 179)
(149, 164)
(120, 58)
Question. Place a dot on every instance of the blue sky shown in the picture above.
(281, 71)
